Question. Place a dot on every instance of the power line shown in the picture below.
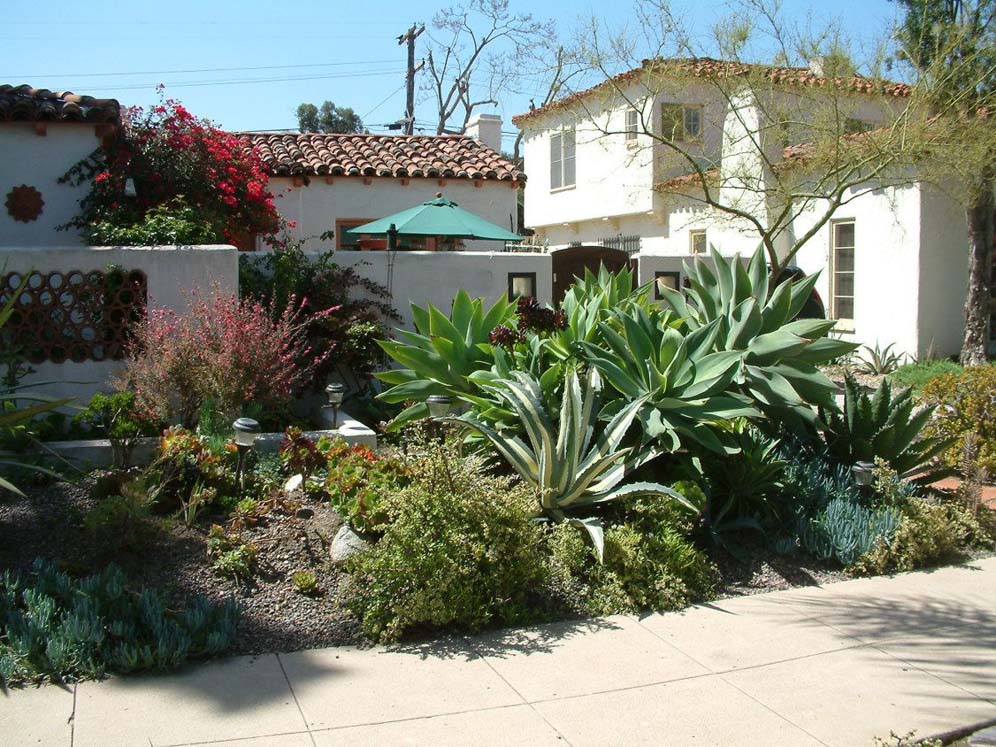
(386, 99)
(236, 81)
(202, 70)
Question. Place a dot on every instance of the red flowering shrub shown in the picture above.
(224, 352)
(179, 160)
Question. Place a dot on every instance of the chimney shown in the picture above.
(817, 66)
(486, 128)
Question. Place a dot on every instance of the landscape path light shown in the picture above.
(864, 473)
(439, 405)
(247, 431)
(335, 393)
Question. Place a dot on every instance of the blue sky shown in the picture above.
(298, 50)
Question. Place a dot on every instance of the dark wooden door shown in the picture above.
(571, 263)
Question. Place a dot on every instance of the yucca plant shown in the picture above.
(443, 352)
(881, 426)
(780, 354)
(681, 380)
(571, 467)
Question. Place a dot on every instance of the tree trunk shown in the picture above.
(975, 346)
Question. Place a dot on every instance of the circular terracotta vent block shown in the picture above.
(24, 203)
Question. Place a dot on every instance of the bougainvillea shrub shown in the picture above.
(180, 161)
(225, 352)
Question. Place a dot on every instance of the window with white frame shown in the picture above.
(562, 159)
(697, 241)
(681, 123)
(632, 124)
(842, 267)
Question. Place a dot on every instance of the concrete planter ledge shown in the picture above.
(100, 453)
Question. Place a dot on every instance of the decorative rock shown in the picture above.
(345, 545)
(983, 738)
(293, 483)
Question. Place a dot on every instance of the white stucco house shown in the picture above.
(332, 182)
(42, 135)
(892, 260)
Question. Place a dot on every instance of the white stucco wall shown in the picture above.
(612, 177)
(173, 273)
(316, 207)
(435, 277)
(38, 161)
(886, 265)
(943, 273)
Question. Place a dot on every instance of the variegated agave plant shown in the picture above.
(570, 466)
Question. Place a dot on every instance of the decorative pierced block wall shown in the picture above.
(73, 316)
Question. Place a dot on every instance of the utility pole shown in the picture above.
(410, 36)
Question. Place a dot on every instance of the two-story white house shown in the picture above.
(892, 257)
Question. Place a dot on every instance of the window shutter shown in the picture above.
(556, 161)
(568, 141)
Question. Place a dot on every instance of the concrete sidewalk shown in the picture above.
(837, 665)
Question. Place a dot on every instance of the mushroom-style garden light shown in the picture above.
(335, 393)
(864, 473)
(247, 431)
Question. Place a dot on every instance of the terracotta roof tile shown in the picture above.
(704, 67)
(432, 156)
(24, 103)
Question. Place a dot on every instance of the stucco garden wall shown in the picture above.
(316, 207)
(174, 273)
(435, 277)
(38, 161)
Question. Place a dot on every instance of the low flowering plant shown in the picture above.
(224, 351)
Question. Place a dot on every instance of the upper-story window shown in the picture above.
(681, 123)
(697, 241)
(562, 159)
(632, 124)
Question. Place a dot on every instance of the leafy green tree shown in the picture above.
(951, 46)
(329, 118)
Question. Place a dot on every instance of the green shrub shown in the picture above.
(931, 533)
(966, 404)
(460, 551)
(121, 522)
(916, 376)
(649, 563)
(170, 223)
(56, 627)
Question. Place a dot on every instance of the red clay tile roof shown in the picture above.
(704, 67)
(434, 156)
(24, 103)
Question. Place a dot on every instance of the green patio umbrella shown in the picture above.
(438, 217)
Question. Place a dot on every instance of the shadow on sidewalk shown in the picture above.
(538, 639)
